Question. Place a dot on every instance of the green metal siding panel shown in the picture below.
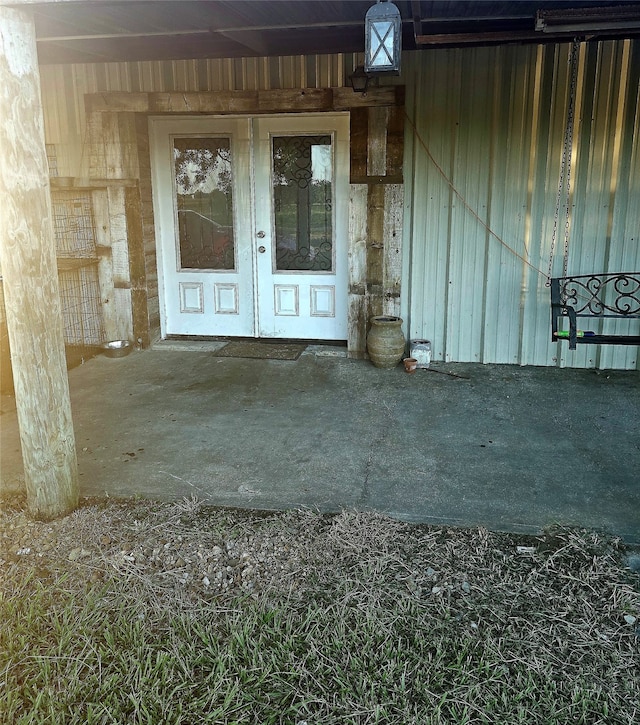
(484, 168)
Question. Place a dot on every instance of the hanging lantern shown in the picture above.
(383, 36)
(359, 80)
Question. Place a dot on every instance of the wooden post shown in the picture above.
(30, 278)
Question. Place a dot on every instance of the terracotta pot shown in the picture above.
(410, 364)
(385, 341)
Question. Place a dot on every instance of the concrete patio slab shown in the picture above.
(509, 448)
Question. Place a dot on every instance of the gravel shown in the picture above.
(183, 546)
(185, 552)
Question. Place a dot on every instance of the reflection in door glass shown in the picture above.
(302, 200)
(204, 201)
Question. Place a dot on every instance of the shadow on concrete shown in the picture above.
(505, 447)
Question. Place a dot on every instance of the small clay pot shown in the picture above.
(410, 365)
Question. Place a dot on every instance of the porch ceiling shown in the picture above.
(87, 31)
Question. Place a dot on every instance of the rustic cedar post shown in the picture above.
(30, 278)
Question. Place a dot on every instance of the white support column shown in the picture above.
(30, 278)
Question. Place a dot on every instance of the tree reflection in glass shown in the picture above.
(204, 201)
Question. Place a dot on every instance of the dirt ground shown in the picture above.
(210, 552)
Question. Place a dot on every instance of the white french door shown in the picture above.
(251, 225)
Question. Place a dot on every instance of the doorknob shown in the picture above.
(262, 249)
(260, 235)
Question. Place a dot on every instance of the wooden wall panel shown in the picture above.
(358, 306)
(358, 132)
(100, 206)
(148, 235)
(112, 143)
(377, 149)
(377, 141)
(392, 241)
(375, 248)
(395, 142)
(137, 268)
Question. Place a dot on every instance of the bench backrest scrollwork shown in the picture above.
(599, 295)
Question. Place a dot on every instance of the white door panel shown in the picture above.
(251, 223)
(301, 173)
(202, 191)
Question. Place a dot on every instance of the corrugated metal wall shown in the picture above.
(482, 163)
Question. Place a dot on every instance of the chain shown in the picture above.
(575, 48)
(565, 169)
(555, 220)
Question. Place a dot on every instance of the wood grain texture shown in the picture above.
(392, 236)
(120, 261)
(137, 273)
(148, 233)
(375, 249)
(395, 144)
(357, 299)
(30, 279)
(100, 206)
(377, 141)
(253, 101)
(358, 148)
(344, 99)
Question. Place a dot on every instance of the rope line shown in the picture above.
(466, 205)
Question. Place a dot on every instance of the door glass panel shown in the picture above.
(302, 202)
(204, 201)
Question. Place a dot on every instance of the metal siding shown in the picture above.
(429, 210)
(624, 200)
(536, 347)
(493, 120)
(506, 211)
(591, 232)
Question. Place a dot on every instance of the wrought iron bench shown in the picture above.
(594, 296)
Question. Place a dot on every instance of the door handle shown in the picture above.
(260, 235)
(262, 249)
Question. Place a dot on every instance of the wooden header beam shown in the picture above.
(305, 100)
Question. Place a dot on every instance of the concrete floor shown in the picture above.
(509, 448)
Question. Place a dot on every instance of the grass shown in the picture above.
(388, 624)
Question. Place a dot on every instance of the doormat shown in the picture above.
(261, 350)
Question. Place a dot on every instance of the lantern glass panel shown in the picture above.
(382, 42)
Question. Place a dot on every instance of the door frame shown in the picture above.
(117, 122)
(254, 277)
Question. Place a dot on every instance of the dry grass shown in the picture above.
(353, 618)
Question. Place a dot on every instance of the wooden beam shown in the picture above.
(89, 184)
(503, 36)
(30, 279)
(261, 101)
(416, 12)
(359, 129)
(392, 234)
